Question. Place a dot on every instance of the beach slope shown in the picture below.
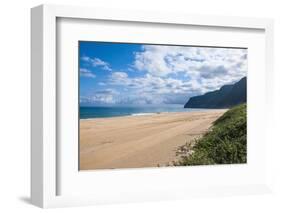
(139, 141)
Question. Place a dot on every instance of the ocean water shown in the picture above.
(106, 112)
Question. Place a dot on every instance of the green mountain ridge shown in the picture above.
(227, 96)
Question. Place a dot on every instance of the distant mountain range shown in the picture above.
(227, 96)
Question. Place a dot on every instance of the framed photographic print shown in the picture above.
(144, 105)
(130, 106)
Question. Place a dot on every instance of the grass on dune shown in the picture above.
(224, 143)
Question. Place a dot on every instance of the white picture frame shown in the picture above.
(45, 168)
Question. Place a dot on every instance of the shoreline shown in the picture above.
(149, 114)
(140, 141)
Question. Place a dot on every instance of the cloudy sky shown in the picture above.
(136, 74)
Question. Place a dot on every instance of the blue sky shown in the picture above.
(120, 74)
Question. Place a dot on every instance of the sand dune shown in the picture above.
(139, 141)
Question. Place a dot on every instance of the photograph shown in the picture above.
(161, 105)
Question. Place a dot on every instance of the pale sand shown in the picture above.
(139, 141)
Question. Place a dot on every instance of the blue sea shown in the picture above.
(87, 112)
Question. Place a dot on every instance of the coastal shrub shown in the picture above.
(225, 143)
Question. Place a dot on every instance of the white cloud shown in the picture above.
(151, 89)
(86, 58)
(119, 75)
(96, 62)
(118, 78)
(107, 96)
(194, 62)
(86, 73)
(171, 75)
(102, 84)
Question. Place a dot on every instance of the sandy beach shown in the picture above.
(139, 141)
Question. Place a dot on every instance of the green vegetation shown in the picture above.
(225, 143)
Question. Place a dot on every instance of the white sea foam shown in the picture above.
(142, 114)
